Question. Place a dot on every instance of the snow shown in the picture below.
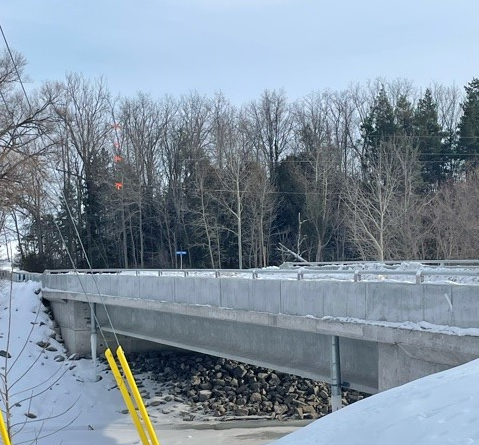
(407, 325)
(71, 405)
(442, 408)
(439, 409)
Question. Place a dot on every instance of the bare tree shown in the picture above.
(261, 210)
(453, 215)
(82, 109)
(232, 196)
(206, 216)
(138, 147)
(380, 205)
(270, 126)
(319, 169)
(22, 123)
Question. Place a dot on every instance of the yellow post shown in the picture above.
(136, 394)
(3, 430)
(126, 397)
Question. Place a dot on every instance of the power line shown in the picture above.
(72, 220)
(15, 66)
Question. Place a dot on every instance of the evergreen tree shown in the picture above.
(377, 128)
(432, 155)
(404, 114)
(468, 144)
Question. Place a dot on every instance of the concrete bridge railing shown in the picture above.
(381, 301)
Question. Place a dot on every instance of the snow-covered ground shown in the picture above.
(439, 409)
(58, 401)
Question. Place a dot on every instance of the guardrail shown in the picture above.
(447, 263)
(5, 275)
(20, 275)
(327, 271)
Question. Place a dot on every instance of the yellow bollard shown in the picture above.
(3, 430)
(126, 396)
(136, 395)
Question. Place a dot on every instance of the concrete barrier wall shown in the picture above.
(154, 289)
(197, 290)
(465, 307)
(443, 304)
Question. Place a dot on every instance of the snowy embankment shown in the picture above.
(59, 399)
(439, 409)
(55, 399)
(46, 390)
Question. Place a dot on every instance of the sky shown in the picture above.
(439, 409)
(242, 47)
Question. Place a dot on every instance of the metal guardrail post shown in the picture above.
(419, 277)
(93, 338)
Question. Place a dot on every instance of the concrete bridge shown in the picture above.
(390, 332)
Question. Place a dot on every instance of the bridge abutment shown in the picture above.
(396, 367)
(74, 321)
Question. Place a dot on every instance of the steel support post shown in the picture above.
(335, 374)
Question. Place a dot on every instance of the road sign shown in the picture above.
(181, 253)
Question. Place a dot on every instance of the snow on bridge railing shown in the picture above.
(386, 271)
(442, 263)
(20, 275)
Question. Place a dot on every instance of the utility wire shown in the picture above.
(15, 66)
(71, 217)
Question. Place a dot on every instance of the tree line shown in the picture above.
(377, 171)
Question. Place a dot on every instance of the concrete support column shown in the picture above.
(73, 318)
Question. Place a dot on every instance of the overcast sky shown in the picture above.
(241, 47)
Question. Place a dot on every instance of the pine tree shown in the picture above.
(404, 114)
(468, 145)
(379, 127)
(432, 156)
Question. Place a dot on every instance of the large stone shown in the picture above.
(255, 397)
(242, 412)
(219, 387)
(239, 371)
(204, 395)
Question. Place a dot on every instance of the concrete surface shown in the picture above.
(278, 323)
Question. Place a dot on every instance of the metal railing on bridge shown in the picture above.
(20, 275)
(389, 271)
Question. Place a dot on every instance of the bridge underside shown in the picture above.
(372, 358)
(302, 353)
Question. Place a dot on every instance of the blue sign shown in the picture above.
(181, 252)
